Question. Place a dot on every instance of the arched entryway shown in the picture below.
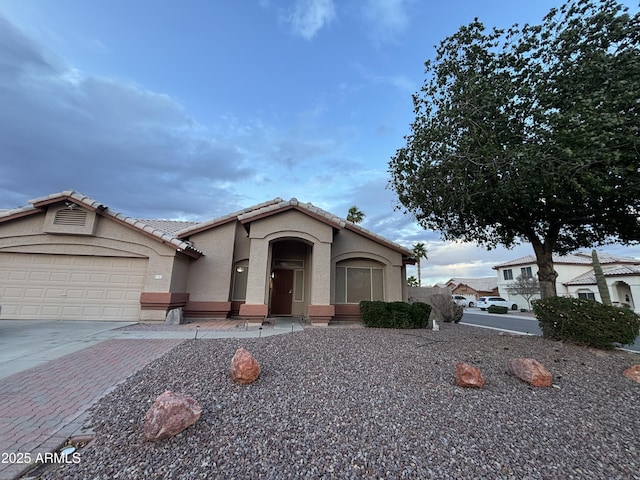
(289, 277)
(622, 295)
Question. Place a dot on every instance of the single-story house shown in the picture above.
(67, 256)
(576, 277)
(473, 288)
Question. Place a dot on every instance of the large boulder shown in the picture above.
(170, 414)
(633, 373)
(244, 368)
(468, 376)
(531, 371)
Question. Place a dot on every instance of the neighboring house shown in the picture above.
(67, 256)
(473, 288)
(577, 279)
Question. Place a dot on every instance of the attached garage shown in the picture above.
(70, 287)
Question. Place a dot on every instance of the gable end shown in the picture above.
(69, 219)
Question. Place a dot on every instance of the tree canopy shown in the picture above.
(530, 134)
(355, 215)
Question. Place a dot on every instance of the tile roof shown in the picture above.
(578, 258)
(88, 202)
(174, 232)
(278, 205)
(485, 284)
(169, 226)
(589, 278)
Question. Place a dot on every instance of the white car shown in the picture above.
(462, 301)
(486, 302)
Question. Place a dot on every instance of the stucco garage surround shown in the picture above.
(68, 287)
(67, 257)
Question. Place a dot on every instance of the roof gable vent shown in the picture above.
(70, 219)
(74, 216)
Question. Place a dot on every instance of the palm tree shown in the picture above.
(355, 215)
(412, 281)
(419, 251)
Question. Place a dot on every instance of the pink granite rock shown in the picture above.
(170, 414)
(468, 376)
(244, 368)
(633, 373)
(531, 371)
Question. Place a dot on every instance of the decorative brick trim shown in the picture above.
(320, 315)
(321, 310)
(254, 312)
(347, 312)
(162, 300)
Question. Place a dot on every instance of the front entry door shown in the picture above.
(282, 292)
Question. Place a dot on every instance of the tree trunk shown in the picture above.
(546, 273)
(419, 276)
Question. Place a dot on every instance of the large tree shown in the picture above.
(530, 135)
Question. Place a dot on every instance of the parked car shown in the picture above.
(462, 301)
(486, 302)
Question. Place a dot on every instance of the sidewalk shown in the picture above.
(51, 373)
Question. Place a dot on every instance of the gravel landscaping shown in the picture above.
(370, 403)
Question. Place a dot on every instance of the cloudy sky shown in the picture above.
(191, 110)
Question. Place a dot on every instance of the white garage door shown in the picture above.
(67, 287)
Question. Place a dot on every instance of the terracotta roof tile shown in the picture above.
(80, 199)
(173, 232)
(579, 258)
(485, 284)
(589, 278)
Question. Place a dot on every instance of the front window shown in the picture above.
(526, 272)
(508, 274)
(587, 295)
(355, 284)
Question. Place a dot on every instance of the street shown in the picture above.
(516, 322)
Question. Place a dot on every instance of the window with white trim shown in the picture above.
(526, 272)
(507, 274)
(587, 295)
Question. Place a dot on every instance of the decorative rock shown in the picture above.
(633, 373)
(468, 376)
(244, 368)
(174, 317)
(531, 371)
(170, 414)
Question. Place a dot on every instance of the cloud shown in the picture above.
(134, 149)
(308, 17)
(386, 20)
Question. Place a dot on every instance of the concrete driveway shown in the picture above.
(28, 343)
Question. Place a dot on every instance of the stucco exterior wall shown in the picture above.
(210, 275)
(350, 245)
(565, 273)
(26, 235)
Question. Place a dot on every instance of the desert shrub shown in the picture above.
(586, 322)
(394, 314)
(445, 309)
(497, 309)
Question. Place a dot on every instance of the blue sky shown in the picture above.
(193, 109)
